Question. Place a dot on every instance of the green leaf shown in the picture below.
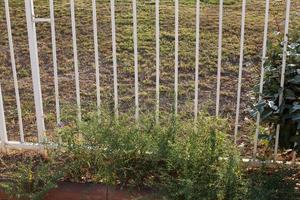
(295, 108)
(295, 80)
(265, 137)
(260, 106)
(293, 117)
(265, 115)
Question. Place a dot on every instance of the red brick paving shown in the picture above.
(87, 191)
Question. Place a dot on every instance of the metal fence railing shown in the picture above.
(31, 21)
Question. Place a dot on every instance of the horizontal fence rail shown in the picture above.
(31, 21)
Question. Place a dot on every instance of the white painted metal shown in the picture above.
(262, 73)
(284, 56)
(176, 56)
(36, 146)
(3, 132)
(38, 20)
(14, 70)
(197, 60)
(24, 146)
(114, 54)
(31, 20)
(295, 152)
(268, 162)
(35, 70)
(53, 38)
(219, 57)
(96, 54)
(74, 37)
(240, 71)
(136, 67)
(157, 49)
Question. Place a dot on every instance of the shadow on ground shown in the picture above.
(273, 184)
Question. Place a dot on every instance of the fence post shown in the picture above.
(262, 73)
(14, 70)
(136, 67)
(3, 132)
(54, 57)
(282, 79)
(176, 56)
(157, 51)
(96, 46)
(197, 60)
(33, 50)
(114, 57)
(75, 57)
(219, 57)
(238, 101)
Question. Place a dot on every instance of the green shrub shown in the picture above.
(110, 151)
(31, 180)
(203, 164)
(288, 114)
(176, 158)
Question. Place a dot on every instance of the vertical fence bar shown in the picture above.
(14, 70)
(114, 55)
(176, 56)
(157, 40)
(136, 68)
(74, 38)
(282, 79)
(240, 72)
(295, 152)
(3, 132)
(219, 57)
(95, 29)
(35, 70)
(262, 73)
(53, 38)
(197, 59)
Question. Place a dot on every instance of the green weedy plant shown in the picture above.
(203, 164)
(31, 180)
(112, 151)
(288, 114)
(171, 157)
(177, 158)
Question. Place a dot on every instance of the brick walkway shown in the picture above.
(77, 191)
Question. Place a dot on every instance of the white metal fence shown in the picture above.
(34, 59)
